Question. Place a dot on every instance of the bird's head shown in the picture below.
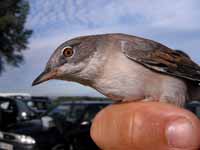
(69, 60)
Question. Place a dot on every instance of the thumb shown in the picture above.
(146, 125)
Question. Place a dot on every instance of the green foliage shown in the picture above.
(13, 35)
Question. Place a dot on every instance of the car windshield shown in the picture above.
(75, 112)
(68, 111)
(37, 105)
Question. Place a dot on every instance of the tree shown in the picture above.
(13, 35)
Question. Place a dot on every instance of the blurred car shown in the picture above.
(13, 111)
(65, 127)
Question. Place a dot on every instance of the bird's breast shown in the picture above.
(123, 79)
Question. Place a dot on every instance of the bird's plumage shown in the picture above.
(126, 67)
(160, 58)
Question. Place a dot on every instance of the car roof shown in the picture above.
(15, 94)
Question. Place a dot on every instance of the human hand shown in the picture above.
(146, 126)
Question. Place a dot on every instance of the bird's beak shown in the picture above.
(44, 76)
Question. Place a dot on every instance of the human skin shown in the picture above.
(146, 126)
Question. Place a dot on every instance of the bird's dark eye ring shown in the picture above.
(67, 51)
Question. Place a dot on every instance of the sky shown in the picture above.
(173, 23)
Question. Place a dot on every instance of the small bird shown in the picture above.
(126, 68)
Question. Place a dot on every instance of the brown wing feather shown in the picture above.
(161, 58)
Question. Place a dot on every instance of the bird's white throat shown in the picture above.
(87, 71)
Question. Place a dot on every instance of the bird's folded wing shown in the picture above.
(160, 58)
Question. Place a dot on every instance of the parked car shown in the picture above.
(65, 127)
(13, 111)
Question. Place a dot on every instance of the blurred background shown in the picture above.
(33, 29)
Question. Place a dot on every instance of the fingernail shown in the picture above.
(180, 134)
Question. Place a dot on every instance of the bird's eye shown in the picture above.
(68, 51)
